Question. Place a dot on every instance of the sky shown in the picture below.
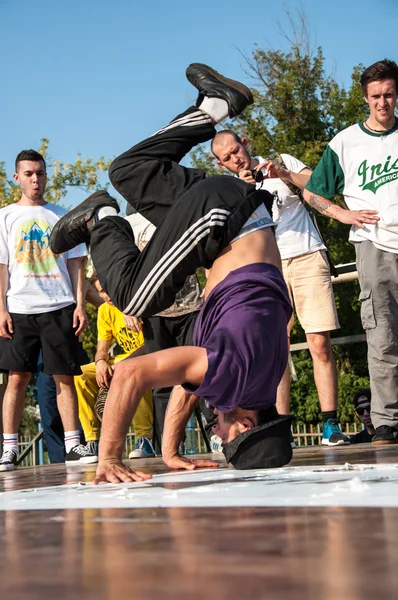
(95, 77)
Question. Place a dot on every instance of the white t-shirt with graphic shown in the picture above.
(295, 232)
(363, 166)
(38, 279)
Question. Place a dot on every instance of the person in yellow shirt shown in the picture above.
(111, 326)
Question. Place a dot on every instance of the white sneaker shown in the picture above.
(215, 444)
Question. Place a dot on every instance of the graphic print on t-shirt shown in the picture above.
(374, 176)
(128, 339)
(32, 248)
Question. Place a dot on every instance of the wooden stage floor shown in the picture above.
(286, 553)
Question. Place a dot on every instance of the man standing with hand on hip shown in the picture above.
(361, 162)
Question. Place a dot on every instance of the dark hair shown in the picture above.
(29, 155)
(222, 133)
(365, 393)
(94, 277)
(383, 69)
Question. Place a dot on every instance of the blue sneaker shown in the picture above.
(292, 442)
(143, 449)
(181, 448)
(332, 434)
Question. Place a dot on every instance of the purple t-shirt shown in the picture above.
(243, 326)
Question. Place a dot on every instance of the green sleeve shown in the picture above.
(327, 179)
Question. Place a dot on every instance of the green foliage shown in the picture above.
(298, 108)
(29, 421)
(84, 174)
(90, 334)
(9, 191)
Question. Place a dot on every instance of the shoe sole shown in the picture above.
(92, 460)
(237, 85)
(7, 468)
(384, 442)
(56, 245)
(339, 443)
(89, 460)
(133, 455)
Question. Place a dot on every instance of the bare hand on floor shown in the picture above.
(115, 471)
(180, 462)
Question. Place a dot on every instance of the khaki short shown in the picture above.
(311, 291)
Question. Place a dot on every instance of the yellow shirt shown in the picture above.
(111, 325)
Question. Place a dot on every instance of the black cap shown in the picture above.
(263, 447)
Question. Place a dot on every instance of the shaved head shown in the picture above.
(231, 151)
(221, 137)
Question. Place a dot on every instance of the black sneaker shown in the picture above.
(8, 462)
(385, 435)
(81, 454)
(74, 227)
(214, 85)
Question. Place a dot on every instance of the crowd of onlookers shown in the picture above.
(43, 295)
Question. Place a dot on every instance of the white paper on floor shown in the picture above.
(348, 485)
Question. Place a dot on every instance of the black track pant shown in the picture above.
(195, 218)
(161, 333)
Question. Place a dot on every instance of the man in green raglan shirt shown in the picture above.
(361, 162)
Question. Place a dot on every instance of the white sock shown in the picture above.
(72, 439)
(10, 442)
(106, 211)
(216, 108)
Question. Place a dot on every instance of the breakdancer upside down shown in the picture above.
(239, 348)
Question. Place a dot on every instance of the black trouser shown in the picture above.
(210, 417)
(161, 333)
(195, 218)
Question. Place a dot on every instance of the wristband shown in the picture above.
(102, 358)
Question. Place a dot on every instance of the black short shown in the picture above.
(53, 333)
(161, 333)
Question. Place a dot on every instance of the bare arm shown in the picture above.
(360, 218)
(300, 180)
(179, 409)
(131, 378)
(91, 295)
(75, 269)
(103, 371)
(6, 325)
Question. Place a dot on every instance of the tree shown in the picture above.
(298, 108)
